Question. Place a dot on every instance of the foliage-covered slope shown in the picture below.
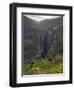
(42, 39)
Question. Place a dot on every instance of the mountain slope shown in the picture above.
(42, 39)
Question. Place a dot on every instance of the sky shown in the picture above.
(40, 17)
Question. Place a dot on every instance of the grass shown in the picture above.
(45, 66)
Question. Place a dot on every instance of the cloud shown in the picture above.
(40, 17)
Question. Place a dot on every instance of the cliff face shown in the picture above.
(42, 39)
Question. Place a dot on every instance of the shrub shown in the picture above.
(45, 66)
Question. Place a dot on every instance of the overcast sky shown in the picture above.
(40, 17)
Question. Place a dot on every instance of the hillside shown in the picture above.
(42, 39)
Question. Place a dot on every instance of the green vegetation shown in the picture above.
(45, 66)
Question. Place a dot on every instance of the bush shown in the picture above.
(45, 66)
